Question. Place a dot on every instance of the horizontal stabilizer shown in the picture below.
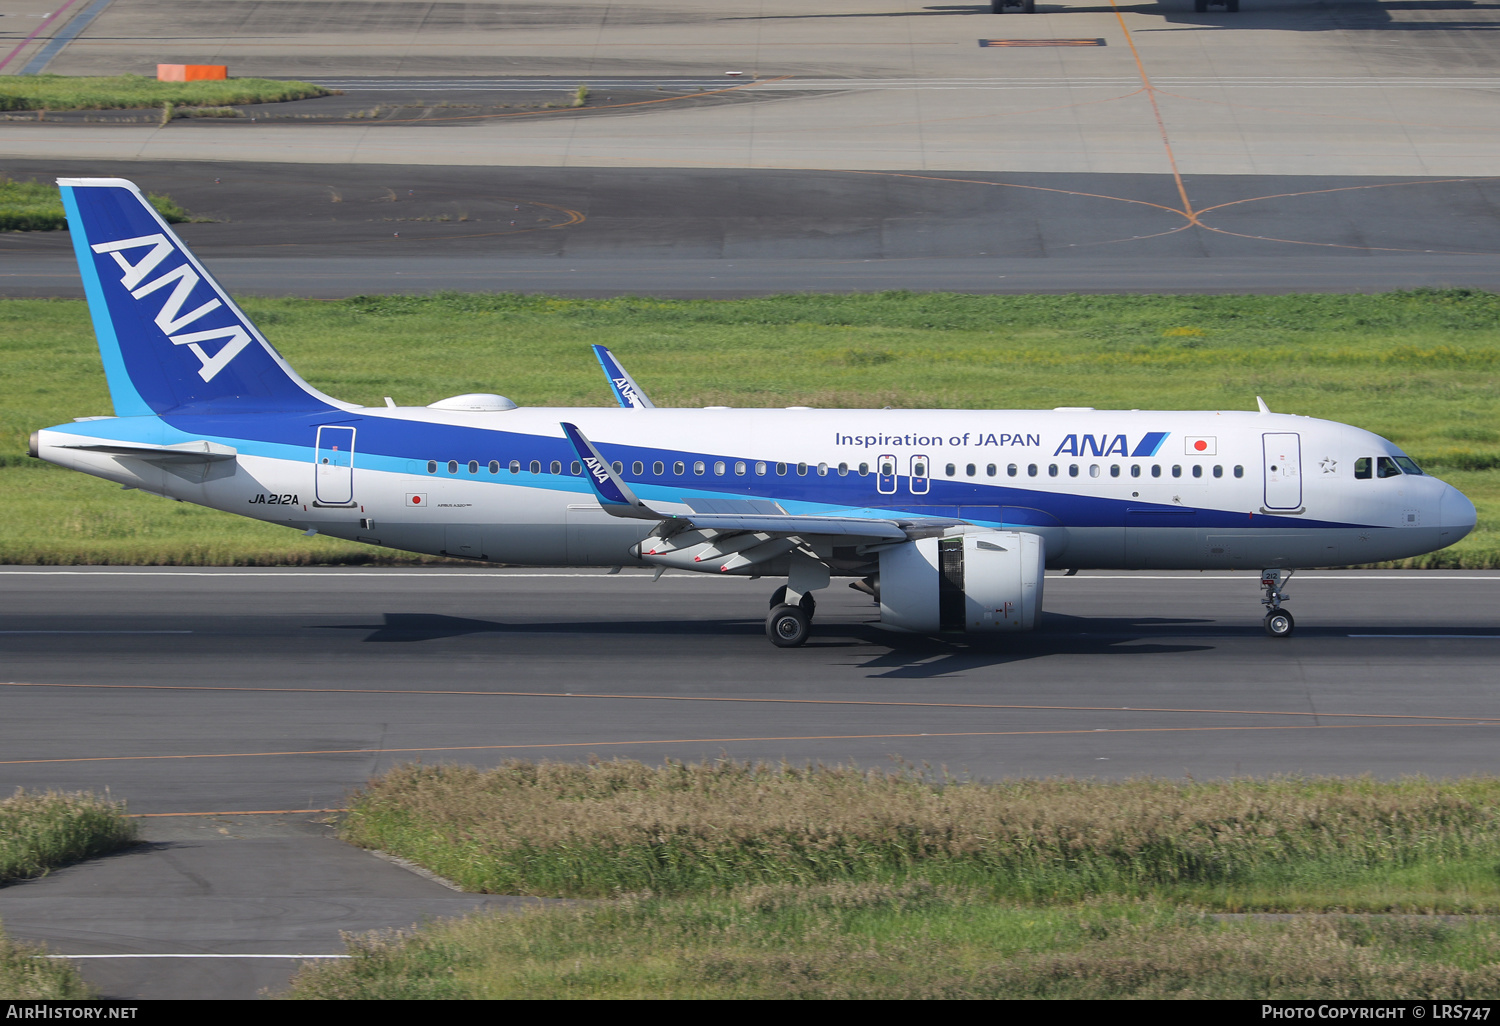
(201, 451)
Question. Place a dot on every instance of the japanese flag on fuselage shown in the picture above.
(1202, 445)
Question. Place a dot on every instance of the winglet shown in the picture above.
(613, 493)
(627, 392)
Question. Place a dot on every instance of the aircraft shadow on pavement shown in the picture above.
(902, 655)
(910, 656)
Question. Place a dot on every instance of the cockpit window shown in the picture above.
(1409, 465)
(1362, 469)
(1386, 467)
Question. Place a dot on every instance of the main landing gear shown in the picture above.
(1279, 623)
(787, 626)
(789, 622)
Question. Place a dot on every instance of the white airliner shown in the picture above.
(945, 517)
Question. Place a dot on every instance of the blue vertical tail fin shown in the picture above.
(171, 338)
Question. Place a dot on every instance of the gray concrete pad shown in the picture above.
(209, 907)
(1286, 87)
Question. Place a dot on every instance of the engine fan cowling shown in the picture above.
(979, 583)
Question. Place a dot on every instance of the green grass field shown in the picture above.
(27, 975)
(739, 881)
(37, 207)
(122, 92)
(1417, 367)
(834, 941)
(39, 831)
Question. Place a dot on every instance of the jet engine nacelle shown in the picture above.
(978, 583)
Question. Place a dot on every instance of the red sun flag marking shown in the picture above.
(416, 500)
(1200, 445)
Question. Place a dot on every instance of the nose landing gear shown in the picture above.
(1279, 623)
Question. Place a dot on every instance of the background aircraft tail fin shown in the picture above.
(171, 338)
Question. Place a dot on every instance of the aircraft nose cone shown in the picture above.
(1456, 514)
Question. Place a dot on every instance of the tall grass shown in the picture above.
(26, 974)
(908, 941)
(616, 827)
(118, 92)
(1417, 367)
(39, 831)
(37, 207)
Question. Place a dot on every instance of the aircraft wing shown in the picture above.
(734, 516)
(627, 392)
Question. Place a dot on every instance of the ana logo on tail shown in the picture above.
(170, 318)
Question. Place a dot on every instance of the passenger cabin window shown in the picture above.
(698, 467)
(1010, 470)
(970, 470)
(822, 470)
(864, 469)
(494, 466)
(1176, 471)
(1239, 471)
(1031, 470)
(1072, 470)
(1197, 470)
(1052, 470)
(1093, 470)
(679, 467)
(887, 470)
(637, 468)
(515, 466)
(989, 470)
(473, 466)
(802, 470)
(536, 466)
(719, 467)
(619, 467)
(575, 468)
(781, 470)
(1386, 467)
(760, 469)
(950, 470)
(657, 468)
(453, 466)
(432, 467)
(556, 467)
(739, 468)
(1114, 470)
(1156, 470)
(1218, 471)
(1135, 470)
(843, 470)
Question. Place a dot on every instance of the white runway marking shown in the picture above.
(197, 956)
(1490, 637)
(96, 632)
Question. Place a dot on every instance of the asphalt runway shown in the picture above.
(234, 690)
(235, 709)
(322, 231)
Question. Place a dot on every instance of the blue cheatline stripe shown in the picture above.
(63, 38)
(122, 391)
